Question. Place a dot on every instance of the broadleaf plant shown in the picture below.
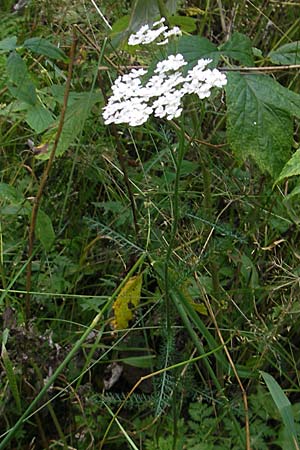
(259, 120)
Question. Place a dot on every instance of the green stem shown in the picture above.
(162, 8)
(181, 152)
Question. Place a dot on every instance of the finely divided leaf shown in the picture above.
(286, 54)
(259, 122)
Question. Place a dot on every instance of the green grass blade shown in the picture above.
(284, 406)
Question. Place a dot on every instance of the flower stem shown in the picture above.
(181, 152)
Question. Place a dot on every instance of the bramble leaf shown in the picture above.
(286, 54)
(16, 69)
(194, 48)
(127, 300)
(259, 122)
(39, 118)
(291, 168)
(238, 48)
(44, 230)
(8, 44)
(77, 112)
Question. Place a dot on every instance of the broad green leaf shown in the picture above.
(9, 193)
(43, 47)
(120, 25)
(295, 191)
(270, 92)
(286, 54)
(44, 230)
(76, 115)
(291, 168)
(283, 404)
(147, 11)
(16, 69)
(187, 24)
(238, 48)
(143, 11)
(194, 48)
(15, 210)
(25, 92)
(20, 84)
(259, 122)
(8, 44)
(39, 118)
(171, 6)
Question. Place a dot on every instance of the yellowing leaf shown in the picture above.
(127, 300)
(199, 307)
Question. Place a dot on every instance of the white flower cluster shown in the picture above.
(146, 35)
(133, 102)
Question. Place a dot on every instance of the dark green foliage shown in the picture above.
(216, 231)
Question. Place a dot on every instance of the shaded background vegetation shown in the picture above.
(235, 251)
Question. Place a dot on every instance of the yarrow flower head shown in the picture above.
(133, 101)
(146, 35)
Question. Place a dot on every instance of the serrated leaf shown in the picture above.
(16, 69)
(39, 118)
(8, 44)
(259, 120)
(283, 404)
(43, 47)
(286, 54)
(10, 193)
(25, 92)
(291, 168)
(295, 191)
(127, 300)
(238, 48)
(76, 115)
(194, 48)
(44, 230)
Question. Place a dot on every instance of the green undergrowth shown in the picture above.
(164, 283)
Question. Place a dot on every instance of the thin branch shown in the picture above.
(44, 178)
(260, 69)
